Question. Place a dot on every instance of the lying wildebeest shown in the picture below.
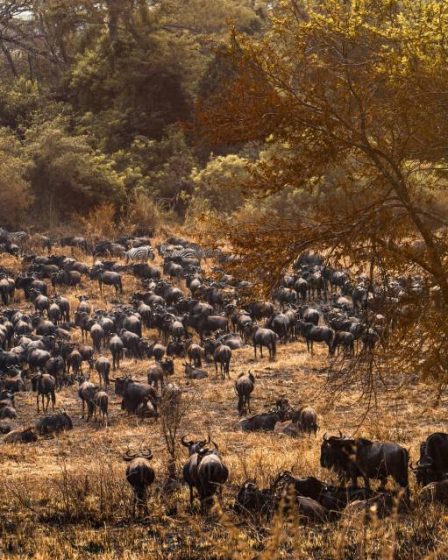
(204, 471)
(54, 423)
(432, 465)
(352, 458)
(266, 421)
(194, 373)
(244, 387)
(45, 386)
(140, 475)
(21, 436)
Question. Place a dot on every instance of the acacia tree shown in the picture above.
(356, 95)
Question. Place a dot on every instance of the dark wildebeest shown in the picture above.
(244, 387)
(204, 470)
(109, 278)
(54, 423)
(194, 373)
(222, 356)
(102, 366)
(140, 475)
(265, 337)
(432, 465)
(45, 386)
(312, 334)
(135, 394)
(344, 339)
(21, 436)
(195, 353)
(266, 421)
(116, 347)
(87, 392)
(353, 458)
(158, 371)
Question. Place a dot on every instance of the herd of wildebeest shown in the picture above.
(201, 318)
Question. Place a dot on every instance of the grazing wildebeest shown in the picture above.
(352, 458)
(102, 366)
(312, 334)
(194, 373)
(264, 337)
(45, 386)
(109, 278)
(140, 475)
(344, 339)
(54, 423)
(244, 387)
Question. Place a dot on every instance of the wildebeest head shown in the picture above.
(121, 383)
(337, 452)
(167, 366)
(194, 446)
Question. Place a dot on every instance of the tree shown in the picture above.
(67, 175)
(358, 92)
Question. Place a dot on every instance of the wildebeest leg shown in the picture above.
(261, 349)
(53, 400)
(191, 495)
(38, 402)
(83, 405)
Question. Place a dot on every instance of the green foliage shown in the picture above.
(15, 196)
(67, 175)
(219, 183)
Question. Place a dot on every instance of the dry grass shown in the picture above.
(66, 497)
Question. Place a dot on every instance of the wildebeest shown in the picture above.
(344, 339)
(116, 347)
(109, 278)
(222, 356)
(194, 373)
(306, 419)
(102, 366)
(45, 386)
(54, 423)
(244, 387)
(204, 470)
(432, 465)
(87, 392)
(158, 371)
(140, 475)
(21, 436)
(312, 334)
(266, 421)
(134, 394)
(264, 337)
(353, 458)
(101, 401)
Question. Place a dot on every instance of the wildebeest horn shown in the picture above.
(146, 454)
(216, 447)
(325, 436)
(128, 456)
(340, 434)
(185, 443)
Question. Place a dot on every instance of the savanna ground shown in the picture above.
(66, 497)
